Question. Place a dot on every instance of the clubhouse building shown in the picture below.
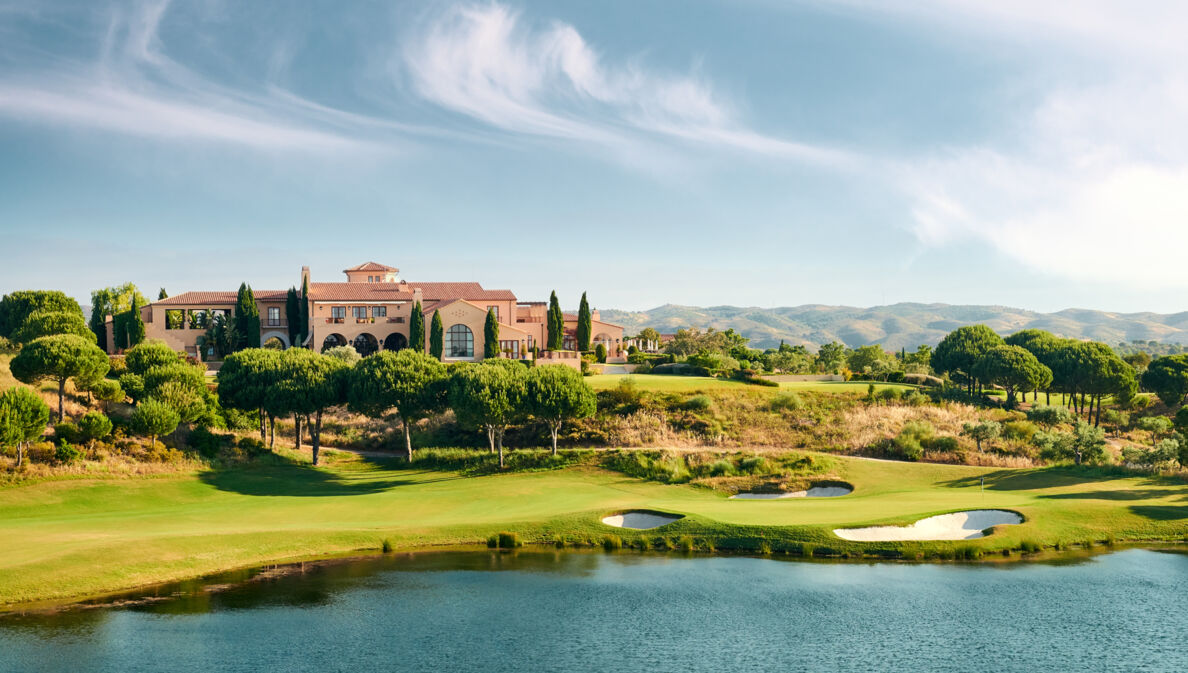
(372, 311)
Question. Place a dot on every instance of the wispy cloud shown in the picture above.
(133, 87)
(1093, 185)
(488, 63)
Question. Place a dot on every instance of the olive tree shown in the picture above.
(23, 417)
(409, 381)
(154, 418)
(556, 394)
(489, 396)
(1049, 416)
(59, 358)
(982, 431)
(1013, 368)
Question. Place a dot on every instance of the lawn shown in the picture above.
(71, 538)
(667, 383)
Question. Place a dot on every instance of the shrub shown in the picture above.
(600, 352)
(205, 442)
(611, 542)
(1048, 416)
(1021, 431)
(386, 546)
(1029, 546)
(789, 401)
(508, 540)
(944, 444)
(909, 443)
(93, 426)
(754, 465)
(252, 445)
(721, 468)
(66, 453)
(66, 432)
(888, 395)
(698, 403)
(916, 399)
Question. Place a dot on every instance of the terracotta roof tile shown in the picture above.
(200, 297)
(372, 266)
(470, 291)
(362, 292)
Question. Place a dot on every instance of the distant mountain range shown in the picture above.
(900, 325)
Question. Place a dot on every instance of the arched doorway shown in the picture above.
(333, 341)
(459, 342)
(365, 344)
(273, 343)
(395, 342)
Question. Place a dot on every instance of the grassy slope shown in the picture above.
(665, 383)
(61, 539)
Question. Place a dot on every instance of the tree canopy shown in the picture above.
(555, 394)
(247, 318)
(585, 325)
(416, 329)
(311, 383)
(46, 323)
(59, 358)
(16, 307)
(410, 382)
(23, 417)
(1013, 368)
(957, 353)
(555, 324)
(149, 354)
(153, 418)
(491, 335)
(117, 302)
(436, 336)
(489, 395)
(1167, 377)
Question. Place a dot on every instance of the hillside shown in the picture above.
(900, 325)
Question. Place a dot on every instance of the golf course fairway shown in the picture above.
(67, 539)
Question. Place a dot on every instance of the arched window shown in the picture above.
(459, 342)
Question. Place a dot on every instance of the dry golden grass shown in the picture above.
(865, 425)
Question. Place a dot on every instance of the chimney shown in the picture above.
(304, 275)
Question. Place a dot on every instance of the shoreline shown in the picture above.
(236, 577)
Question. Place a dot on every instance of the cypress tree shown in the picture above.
(304, 308)
(556, 324)
(491, 336)
(162, 295)
(416, 329)
(584, 325)
(436, 337)
(293, 316)
(135, 325)
(247, 318)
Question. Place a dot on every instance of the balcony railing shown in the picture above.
(276, 323)
(334, 321)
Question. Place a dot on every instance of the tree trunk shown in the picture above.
(316, 435)
(263, 433)
(1097, 416)
(271, 432)
(20, 453)
(297, 427)
(407, 438)
(491, 438)
(499, 441)
(555, 427)
(1048, 397)
(61, 399)
(1078, 456)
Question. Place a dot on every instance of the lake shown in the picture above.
(575, 611)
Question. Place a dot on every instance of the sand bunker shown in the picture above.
(957, 526)
(639, 520)
(814, 492)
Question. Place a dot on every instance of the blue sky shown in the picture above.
(757, 152)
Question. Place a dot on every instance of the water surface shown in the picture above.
(567, 611)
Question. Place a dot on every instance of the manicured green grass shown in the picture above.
(62, 539)
(668, 383)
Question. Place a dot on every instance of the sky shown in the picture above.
(698, 152)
